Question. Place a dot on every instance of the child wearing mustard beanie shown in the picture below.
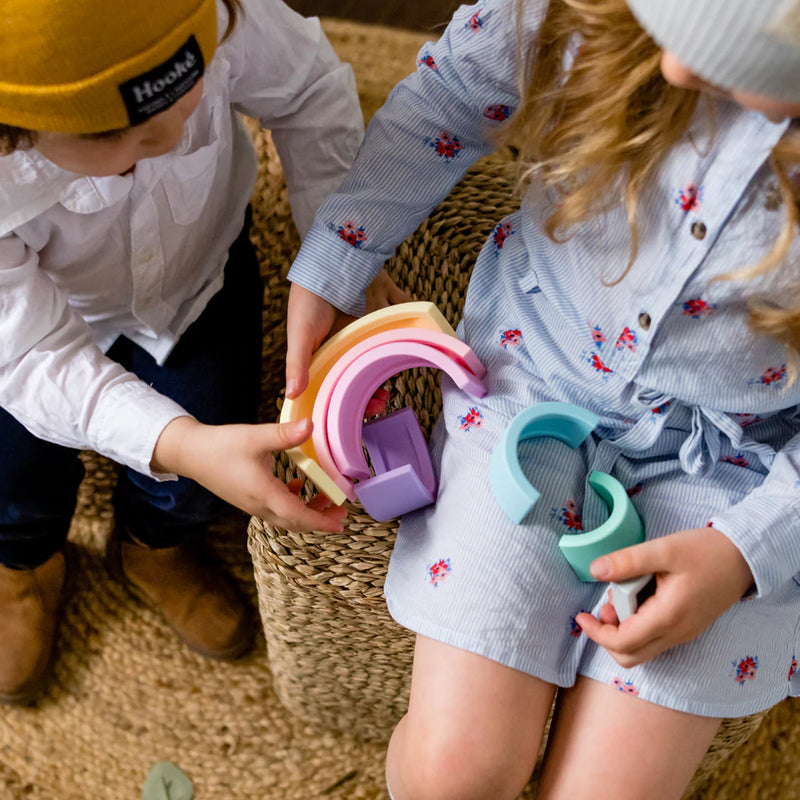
(130, 296)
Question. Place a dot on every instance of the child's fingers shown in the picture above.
(319, 502)
(631, 562)
(287, 510)
(608, 614)
(630, 643)
(398, 295)
(298, 357)
(383, 292)
(285, 435)
(295, 485)
(377, 403)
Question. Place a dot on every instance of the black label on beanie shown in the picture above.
(155, 91)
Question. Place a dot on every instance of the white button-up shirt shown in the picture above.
(84, 260)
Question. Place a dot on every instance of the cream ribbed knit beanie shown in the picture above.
(749, 45)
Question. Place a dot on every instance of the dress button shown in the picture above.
(644, 321)
(698, 230)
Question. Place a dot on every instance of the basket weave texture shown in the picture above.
(337, 657)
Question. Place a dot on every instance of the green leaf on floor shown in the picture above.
(165, 781)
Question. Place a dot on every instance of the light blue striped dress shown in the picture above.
(698, 418)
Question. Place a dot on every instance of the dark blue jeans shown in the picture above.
(214, 372)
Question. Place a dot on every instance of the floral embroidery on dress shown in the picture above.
(627, 686)
(746, 669)
(626, 339)
(690, 197)
(657, 411)
(510, 338)
(501, 232)
(474, 23)
(568, 515)
(426, 60)
(738, 460)
(597, 363)
(697, 307)
(438, 571)
(598, 337)
(792, 667)
(498, 112)
(634, 490)
(771, 376)
(446, 145)
(472, 419)
(353, 235)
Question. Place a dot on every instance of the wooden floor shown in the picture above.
(427, 15)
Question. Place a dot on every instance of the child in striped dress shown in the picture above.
(649, 276)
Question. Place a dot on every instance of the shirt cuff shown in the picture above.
(335, 270)
(766, 529)
(127, 423)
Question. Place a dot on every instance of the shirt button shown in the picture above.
(644, 321)
(698, 230)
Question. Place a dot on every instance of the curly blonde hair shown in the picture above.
(13, 138)
(608, 120)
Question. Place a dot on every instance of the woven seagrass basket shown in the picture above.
(337, 657)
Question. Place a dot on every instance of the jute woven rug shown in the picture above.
(127, 695)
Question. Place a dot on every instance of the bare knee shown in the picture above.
(453, 765)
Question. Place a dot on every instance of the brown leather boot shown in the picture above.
(29, 601)
(198, 600)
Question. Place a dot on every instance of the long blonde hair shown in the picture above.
(608, 120)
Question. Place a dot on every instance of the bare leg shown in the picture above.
(611, 746)
(472, 730)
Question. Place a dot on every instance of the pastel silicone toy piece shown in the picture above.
(563, 421)
(515, 494)
(424, 316)
(625, 595)
(366, 373)
(449, 345)
(404, 478)
(623, 528)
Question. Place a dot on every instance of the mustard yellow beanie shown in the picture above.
(86, 66)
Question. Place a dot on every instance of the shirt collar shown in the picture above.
(30, 184)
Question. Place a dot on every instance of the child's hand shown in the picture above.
(383, 292)
(235, 463)
(700, 573)
(311, 319)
